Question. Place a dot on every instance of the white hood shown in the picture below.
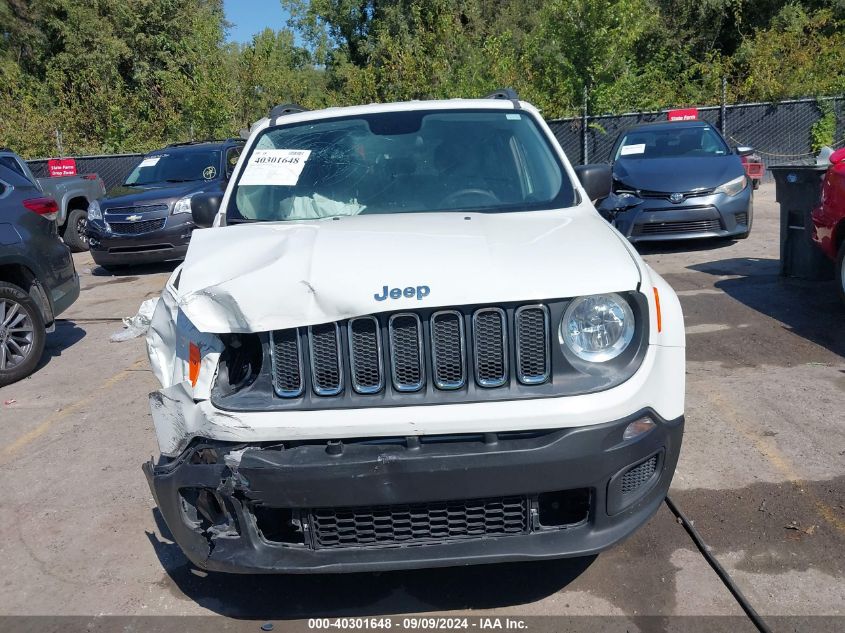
(268, 276)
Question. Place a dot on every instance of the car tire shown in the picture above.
(29, 337)
(75, 233)
(840, 269)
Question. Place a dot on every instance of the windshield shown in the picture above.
(176, 166)
(400, 162)
(666, 143)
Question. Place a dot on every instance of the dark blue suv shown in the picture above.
(148, 218)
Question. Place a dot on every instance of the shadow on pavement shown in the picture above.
(810, 309)
(141, 269)
(66, 335)
(769, 528)
(389, 593)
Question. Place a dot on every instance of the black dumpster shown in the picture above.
(798, 190)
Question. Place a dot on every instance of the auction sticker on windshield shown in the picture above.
(150, 162)
(637, 148)
(275, 167)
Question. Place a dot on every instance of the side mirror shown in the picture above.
(596, 180)
(204, 208)
(743, 150)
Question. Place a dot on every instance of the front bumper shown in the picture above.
(246, 487)
(717, 215)
(167, 243)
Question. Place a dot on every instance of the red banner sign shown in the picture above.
(61, 167)
(685, 114)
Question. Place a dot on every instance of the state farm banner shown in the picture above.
(61, 167)
(684, 114)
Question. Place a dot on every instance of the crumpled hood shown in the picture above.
(677, 174)
(266, 276)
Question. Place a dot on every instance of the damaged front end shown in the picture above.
(287, 507)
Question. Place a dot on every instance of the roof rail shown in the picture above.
(503, 93)
(286, 108)
(208, 140)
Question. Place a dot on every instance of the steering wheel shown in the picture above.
(455, 196)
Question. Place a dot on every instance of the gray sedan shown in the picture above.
(679, 180)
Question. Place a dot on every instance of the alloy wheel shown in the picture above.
(82, 229)
(17, 334)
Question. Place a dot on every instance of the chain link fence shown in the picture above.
(112, 168)
(781, 133)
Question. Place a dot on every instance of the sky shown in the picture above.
(248, 17)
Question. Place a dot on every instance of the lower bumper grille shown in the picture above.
(670, 228)
(638, 475)
(742, 218)
(418, 523)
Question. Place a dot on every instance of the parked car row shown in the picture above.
(72, 194)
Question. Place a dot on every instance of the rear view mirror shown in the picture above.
(743, 150)
(204, 208)
(596, 180)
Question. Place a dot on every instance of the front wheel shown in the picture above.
(840, 267)
(22, 334)
(76, 230)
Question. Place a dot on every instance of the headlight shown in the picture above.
(94, 212)
(183, 205)
(732, 187)
(597, 328)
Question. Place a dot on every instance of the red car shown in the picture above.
(829, 216)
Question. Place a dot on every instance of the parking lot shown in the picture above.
(762, 472)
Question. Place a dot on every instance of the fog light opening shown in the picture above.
(638, 428)
(563, 507)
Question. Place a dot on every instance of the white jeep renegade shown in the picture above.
(409, 340)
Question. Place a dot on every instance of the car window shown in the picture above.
(681, 142)
(400, 162)
(11, 163)
(178, 165)
(232, 155)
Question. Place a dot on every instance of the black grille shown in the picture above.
(405, 352)
(365, 355)
(447, 345)
(326, 372)
(287, 363)
(665, 195)
(150, 208)
(690, 226)
(532, 344)
(638, 475)
(418, 523)
(742, 218)
(133, 228)
(490, 347)
(375, 347)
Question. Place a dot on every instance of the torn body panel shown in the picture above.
(322, 507)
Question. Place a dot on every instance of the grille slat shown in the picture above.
(691, 226)
(326, 367)
(412, 343)
(287, 363)
(448, 349)
(532, 344)
(418, 523)
(365, 355)
(406, 352)
(490, 342)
